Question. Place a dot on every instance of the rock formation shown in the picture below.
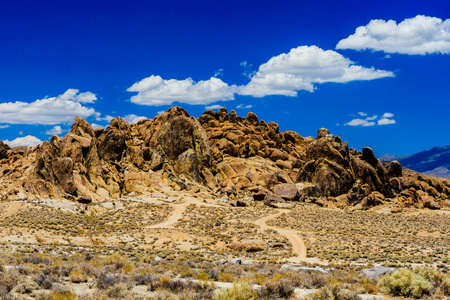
(220, 152)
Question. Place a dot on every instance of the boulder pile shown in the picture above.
(221, 153)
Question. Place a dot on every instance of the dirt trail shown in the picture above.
(174, 217)
(298, 246)
(179, 209)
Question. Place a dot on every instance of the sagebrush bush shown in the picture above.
(45, 281)
(117, 291)
(282, 289)
(77, 276)
(145, 279)
(7, 283)
(404, 283)
(61, 292)
(237, 292)
(333, 292)
(105, 280)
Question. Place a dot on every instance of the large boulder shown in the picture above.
(395, 169)
(376, 272)
(430, 202)
(287, 191)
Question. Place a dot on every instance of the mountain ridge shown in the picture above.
(434, 162)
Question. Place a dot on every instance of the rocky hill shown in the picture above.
(221, 154)
(434, 162)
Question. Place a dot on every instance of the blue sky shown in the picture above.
(302, 64)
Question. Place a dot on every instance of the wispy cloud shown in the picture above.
(247, 72)
(96, 126)
(213, 107)
(218, 73)
(244, 106)
(418, 35)
(4, 126)
(107, 118)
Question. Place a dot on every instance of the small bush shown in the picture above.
(105, 280)
(117, 260)
(7, 283)
(333, 292)
(404, 283)
(117, 291)
(35, 260)
(145, 279)
(175, 286)
(226, 277)
(202, 276)
(44, 281)
(237, 292)
(67, 295)
(283, 289)
(77, 277)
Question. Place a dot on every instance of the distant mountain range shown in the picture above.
(435, 162)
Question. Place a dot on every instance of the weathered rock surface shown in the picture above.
(228, 155)
(376, 272)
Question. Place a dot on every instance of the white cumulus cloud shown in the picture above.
(48, 111)
(133, 118)
(54, 131)
(156, 91)
(75, 95)
(371, 121)
(360, 122)
(386, 121)
(28, 140)
(302, 68)
(418, 35)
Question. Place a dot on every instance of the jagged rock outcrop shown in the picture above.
(122, 159)
(4, 150)
(228, 155)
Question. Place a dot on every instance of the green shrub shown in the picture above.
(404, 283)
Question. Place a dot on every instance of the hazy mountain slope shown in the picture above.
(435, 162)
